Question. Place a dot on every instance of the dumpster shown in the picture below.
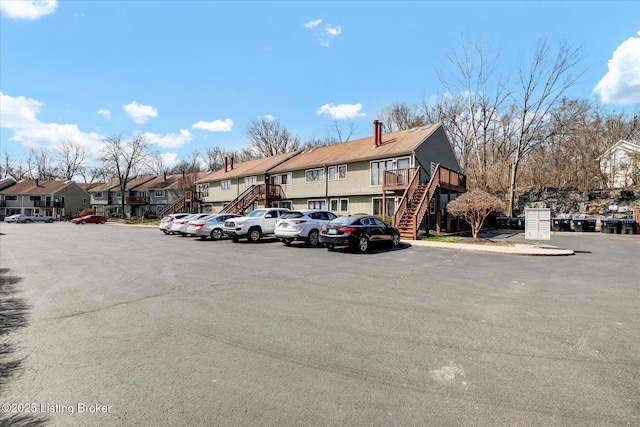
(611, 226)
(502, 222)
(584, 224)
(628, 226)
(561, 224)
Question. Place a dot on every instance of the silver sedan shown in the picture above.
(210, 226)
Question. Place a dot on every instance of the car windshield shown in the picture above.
(292, 214)
(257, 212)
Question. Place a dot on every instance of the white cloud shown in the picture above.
(313, 24)
(621, 85)
(326, 33)
(27, 9)
(140, 113)
(169, 159)
(215, 126)
(169, 140)
(19, 114)
(105, 112)
(332, 31)
(268, 117)
(342, 111)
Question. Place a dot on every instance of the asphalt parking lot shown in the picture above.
(116, 325)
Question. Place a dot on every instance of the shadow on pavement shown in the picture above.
(13, 316)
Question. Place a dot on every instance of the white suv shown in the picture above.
(254, 226)
(302, 225)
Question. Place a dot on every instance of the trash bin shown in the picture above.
(628, 226)
(513, 223)
(502, 222)
(611, 226)
(584, 224)
(561, 224)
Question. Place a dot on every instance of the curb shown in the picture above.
(518, 249)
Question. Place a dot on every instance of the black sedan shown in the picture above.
(358, 232)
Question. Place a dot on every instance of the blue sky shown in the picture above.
(191, 74)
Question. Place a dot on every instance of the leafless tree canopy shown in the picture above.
(269, 138)
(475, 206)
(71, 157)
(125, 157)
(399, 116)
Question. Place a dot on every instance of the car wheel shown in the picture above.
(313, 238)
(84, 222)
(363, 244)
(234, 240)
(254, 235)
(396, 239)
(101, 222)
(165, 231)
(216, 234)
(329, 246)
(287, 242)
(28, 221)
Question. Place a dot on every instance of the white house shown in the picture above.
(621, 163)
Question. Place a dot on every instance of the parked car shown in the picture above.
(29, 218)
(179, 226)
(210, 226)
(15, 218)
(254, 226)
(302, 225)
(90, 219)
(358, 232)
(167, 221)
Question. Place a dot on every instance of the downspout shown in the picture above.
(326, 187)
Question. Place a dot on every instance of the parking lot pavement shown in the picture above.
(127, 326)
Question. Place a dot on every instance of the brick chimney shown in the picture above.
(37, 182)
(377, 133)
(226, 164)
(165, 176)
(231, 165)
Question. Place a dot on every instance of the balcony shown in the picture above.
(398, 179)
(136, 200)
(47, 204)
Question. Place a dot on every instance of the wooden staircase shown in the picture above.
(250, 195)
(176, 207)
(415, 200)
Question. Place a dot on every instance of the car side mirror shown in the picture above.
(268, 215)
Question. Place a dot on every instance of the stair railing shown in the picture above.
(406, 197)
(171, 208)
(240, 203)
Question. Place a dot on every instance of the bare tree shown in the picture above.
(269, 138)
(155, 165)
(399, 116)
(342, 129)
(71, 158)
(41, 164)
(543, 81)
(13, 168)
(475, 206)
(124, 157)
(215, 158)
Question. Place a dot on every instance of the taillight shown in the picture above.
(299, 221)
(347, 229)
(323, 228)
(199, 224)
(171, 219)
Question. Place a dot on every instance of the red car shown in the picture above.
(90, 219)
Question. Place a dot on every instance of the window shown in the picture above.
(225, 185)
(84, 200)
(337, 172)
(314, 175)
(315, 204)
(98, 195)
(344, 205)
(333, 205)
(8, 198)
(377, 171)
(332, 171)
(249, 181)
(34, 198)
(281, 179)
(322, 216)
(377, 206)
(159, 193)
(284, 205)
(342, 172)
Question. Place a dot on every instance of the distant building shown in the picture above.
(60, 199)
(621, 164)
